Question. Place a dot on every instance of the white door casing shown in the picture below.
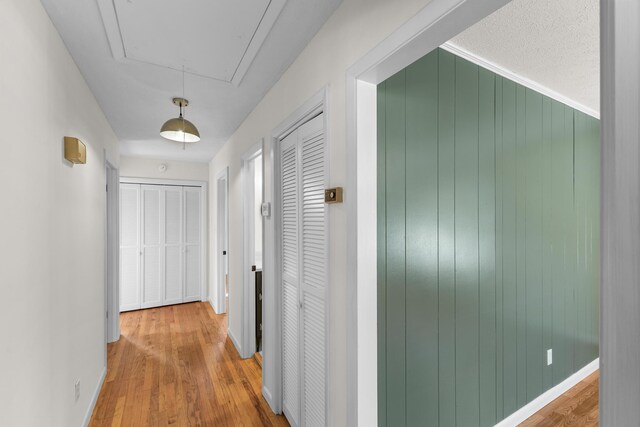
(304, 273)
(222, 252)
(112, 256)
(249, 209)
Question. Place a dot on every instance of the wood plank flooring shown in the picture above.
(176, 366)
(577, 407)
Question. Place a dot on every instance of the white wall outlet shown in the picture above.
(549, 356)
(77, 389)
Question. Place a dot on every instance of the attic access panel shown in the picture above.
(217, 40)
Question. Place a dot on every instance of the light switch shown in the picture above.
(265, 209)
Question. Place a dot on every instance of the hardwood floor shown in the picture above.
(175, 366)
(577, 407)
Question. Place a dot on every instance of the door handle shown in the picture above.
(224, 252)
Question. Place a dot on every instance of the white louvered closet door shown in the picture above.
(290, 279)
(129, 247)
(305, 226)
(192, 244)
(172, 245)
(313, 230)
(151, 255)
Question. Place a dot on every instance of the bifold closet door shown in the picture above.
(290, 279)
(192, 244)
(129, 247)
(151, 255)
(304, 245)
(172, 245)
(161, 245)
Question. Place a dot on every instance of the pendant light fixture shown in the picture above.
(180, 129)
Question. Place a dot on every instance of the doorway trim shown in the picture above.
(434, 25)
(248, 303)
(218, 297)
(112, 253)
(272, 258)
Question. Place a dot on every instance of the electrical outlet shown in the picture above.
(549, 356)
(77, 389)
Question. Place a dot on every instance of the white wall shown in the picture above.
(139, 167)
(355, 28)
(52, 226)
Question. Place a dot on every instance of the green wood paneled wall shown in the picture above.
(488, 244)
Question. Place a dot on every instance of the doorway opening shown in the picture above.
(252, 172)
(435, 25)
(221, 294)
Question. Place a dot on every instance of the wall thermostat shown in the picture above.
(265, 209)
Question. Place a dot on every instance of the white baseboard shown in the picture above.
(216, 310)
(269, 398)
(235, 341)
(94, 398)
(548, 396)
(212, 305)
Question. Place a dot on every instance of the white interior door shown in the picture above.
(172, 245)
(129, 247)
(192, 244)
(161, 252)
(304, 287)
(313, 290)
(151, 255)
(290, 280)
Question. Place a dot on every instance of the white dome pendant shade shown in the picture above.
(180, 129)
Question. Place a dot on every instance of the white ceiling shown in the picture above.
(131, 52)
(555, 43)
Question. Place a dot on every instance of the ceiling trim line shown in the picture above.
(112, 28)
(267, 22)
(528, 83)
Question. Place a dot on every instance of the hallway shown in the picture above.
(175, 365)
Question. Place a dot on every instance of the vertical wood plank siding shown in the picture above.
(488, 244)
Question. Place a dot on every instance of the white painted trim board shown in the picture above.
(521, 80)
(548, 396)
(235, 341)
(222, 243)
(94, 398)
(248, 234)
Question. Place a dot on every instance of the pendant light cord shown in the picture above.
(184, 138)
